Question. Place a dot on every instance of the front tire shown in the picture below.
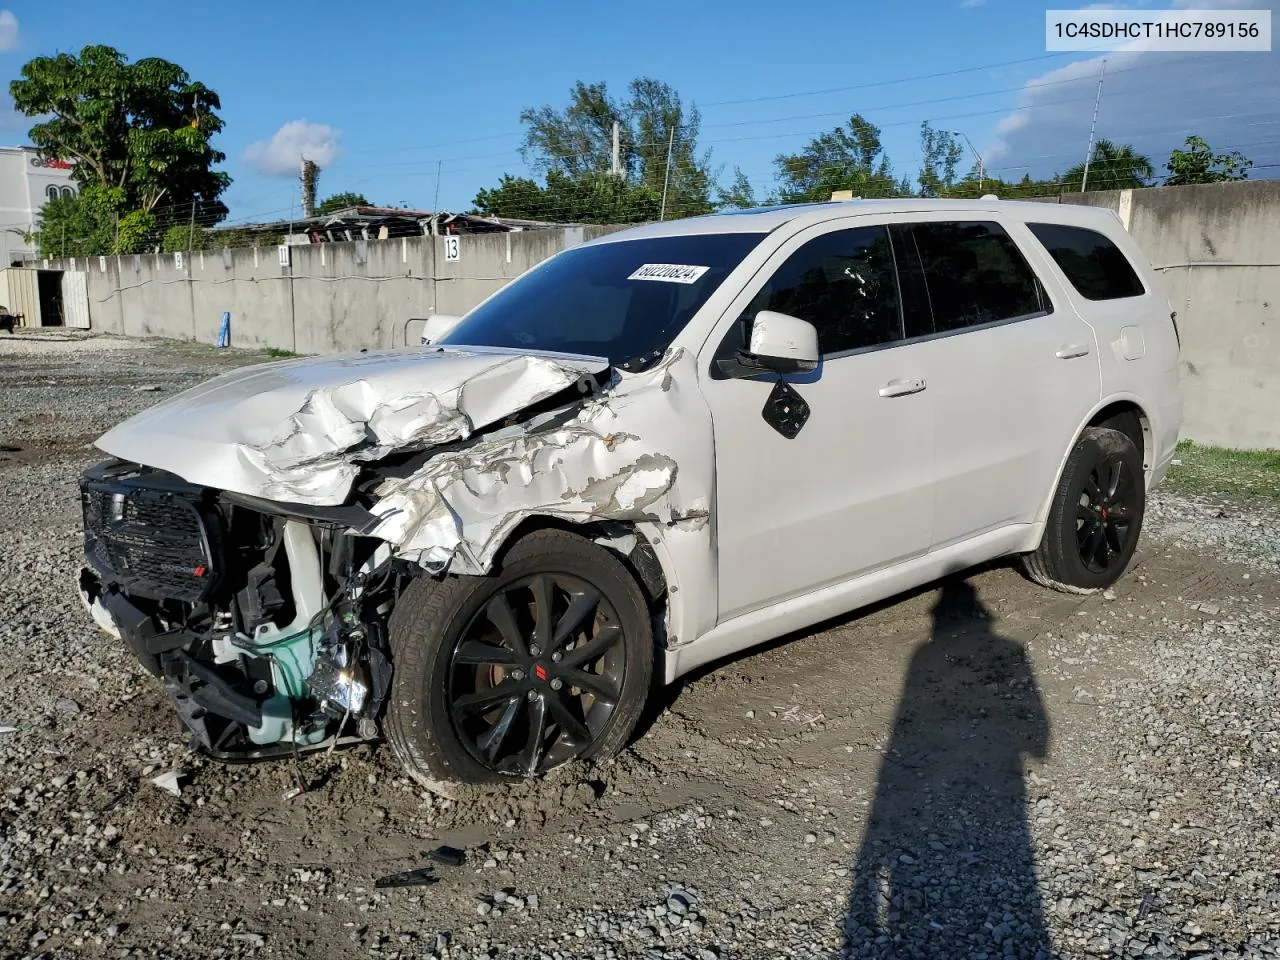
(1096, 515)
(545, 661)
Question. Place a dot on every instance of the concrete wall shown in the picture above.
(330, 297)
(1217, 246)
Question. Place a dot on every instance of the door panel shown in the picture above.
(75, 299)
(1015, 373)
(852, 492)
(1007, 408)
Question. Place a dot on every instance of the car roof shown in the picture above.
(768, 219)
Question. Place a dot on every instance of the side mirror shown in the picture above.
(437, 325)
(779, 344)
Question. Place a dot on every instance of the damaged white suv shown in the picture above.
(652, 450)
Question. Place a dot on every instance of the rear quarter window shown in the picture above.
(1093, 265)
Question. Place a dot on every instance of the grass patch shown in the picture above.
(276, 353)
(1218, 470)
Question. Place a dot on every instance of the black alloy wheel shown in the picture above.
(1095, 515)
(536, 674)
(546, 660)
(1104, 519)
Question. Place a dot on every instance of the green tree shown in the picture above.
(340, 201)
(182, 236)
(91, 223)
(1113, 167)
(739, 194)
(577, 141)
(941, 152)
(847, 158)
(139, 135)
(1024, 189)
(589, 198)
(1199, 164)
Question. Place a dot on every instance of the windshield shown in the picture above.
(625, 300)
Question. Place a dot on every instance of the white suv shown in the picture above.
(650, 451)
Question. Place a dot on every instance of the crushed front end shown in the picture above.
(265, 623)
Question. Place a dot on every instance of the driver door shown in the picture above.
(852, 491)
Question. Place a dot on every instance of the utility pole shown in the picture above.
(1093, 126)
(191, 237)
(435, 204)
(615, 164)
(981, 171)
(666, 176)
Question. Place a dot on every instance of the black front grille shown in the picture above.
(149, 533)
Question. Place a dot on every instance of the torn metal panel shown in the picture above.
(298, 430)
(641, 451)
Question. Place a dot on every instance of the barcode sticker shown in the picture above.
(668, 272)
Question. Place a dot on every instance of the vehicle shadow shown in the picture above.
(946, 867)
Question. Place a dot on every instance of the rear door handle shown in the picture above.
(903, 387)
(1071, 351)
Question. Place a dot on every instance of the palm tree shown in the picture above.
(1113, 167)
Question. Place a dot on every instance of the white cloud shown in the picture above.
(8, 31)
(1151, 100)
(281, 155)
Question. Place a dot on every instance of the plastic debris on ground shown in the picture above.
(170, 780)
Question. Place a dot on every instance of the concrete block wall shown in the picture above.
(1217, 246)
(329, 298)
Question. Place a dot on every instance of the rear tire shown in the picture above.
(545, 661)
(1095, 518)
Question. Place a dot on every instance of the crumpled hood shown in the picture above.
(296, 430)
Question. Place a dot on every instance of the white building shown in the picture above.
(26, 182)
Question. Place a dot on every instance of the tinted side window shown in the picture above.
(844, 284)
(976, 274)
(1094, 265)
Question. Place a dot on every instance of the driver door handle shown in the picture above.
(902, 387)
(1071, 351)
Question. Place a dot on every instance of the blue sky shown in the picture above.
(381, 92)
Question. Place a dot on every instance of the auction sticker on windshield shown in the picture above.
(668, 272)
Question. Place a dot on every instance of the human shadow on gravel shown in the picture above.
(947, 867)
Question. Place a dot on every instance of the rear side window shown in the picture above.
(975, 274)
(1094, 265)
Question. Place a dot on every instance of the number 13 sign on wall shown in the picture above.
(451, 252)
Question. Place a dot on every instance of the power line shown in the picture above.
(886, 83)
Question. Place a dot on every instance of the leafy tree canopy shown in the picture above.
(90, 224)
(572, 147)
(1113, 167)
(139, 135)
(941, 153)
(589, 198)
(341, 201)
(850, 157)
(739, 194)
(1199, 164)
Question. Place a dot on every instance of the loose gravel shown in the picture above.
(983, 770)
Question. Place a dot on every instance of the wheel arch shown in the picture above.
(1123, 412)
(641, 560)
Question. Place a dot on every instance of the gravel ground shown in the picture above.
(982, 770)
